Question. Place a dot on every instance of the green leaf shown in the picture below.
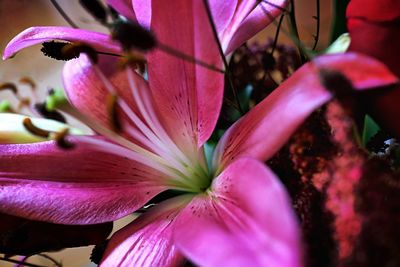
(370, 129)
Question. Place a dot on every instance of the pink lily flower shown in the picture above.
(236, 21)
(233, 212)
(375, 31)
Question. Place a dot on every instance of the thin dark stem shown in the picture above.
(294, 31)
(179, 54)
(108, 54)
(63, 14)
(20, 262)
(221, 52)
(317, 18)
(278, 29)
(290, 35)
(275, 6)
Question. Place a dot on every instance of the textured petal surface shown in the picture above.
(248, 22)
(37, 35)
(262, 131)
(189, 95)
(123, 7)
(246, 220)
(82, 185)
(25, 237)
(147, 241)
(223, 13)
(88, 93)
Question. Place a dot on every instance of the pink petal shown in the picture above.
(86, 91)
(37, 35)
(142, 10)
(189, 95)
(82, 185)
(262, 131)
(147, 241)
(246, 220)
(123, 7)
(259, 18)
(222, 12)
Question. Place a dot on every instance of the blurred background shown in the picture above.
(17, 15)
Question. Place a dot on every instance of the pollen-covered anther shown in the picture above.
(54, 50)
(30, 127)
(59, 137)
(78, 48)
(335, 81)
(49, 114)
(133, 35)
(66, 51)
(112, 104)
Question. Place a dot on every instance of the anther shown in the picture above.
(335, 82)
(133, 35)
(9, 86)
(59, 137)
(54, 50)
(30, 127)
(28, 81)
(66, 51)
(25, 101)
(115, 123)
(77, 48)
(95, 8)
(41, 108)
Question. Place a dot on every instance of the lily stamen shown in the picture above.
(30, 127)
(59, 137)
(115, 122)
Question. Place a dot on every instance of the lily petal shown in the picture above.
(189, 94)
(123, 7)
(246, 220)
(37, 35)
(142, 10)
(88, 93)
(147, 241)
(12, 130)
(25, 237)
(223, 13)
(259, 18)
(262, 131)
(84, 185)
(250, 17)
